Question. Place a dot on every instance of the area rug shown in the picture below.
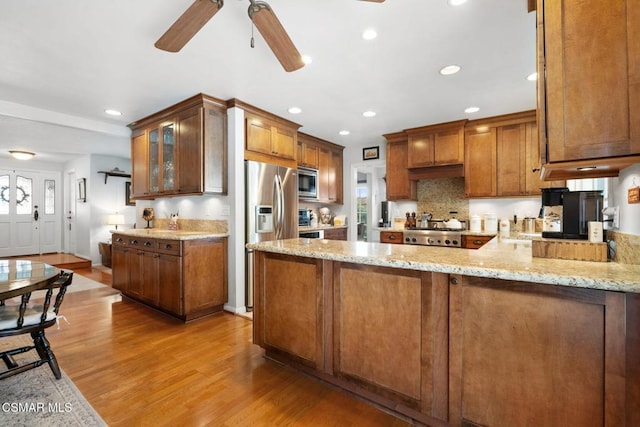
(35, 398)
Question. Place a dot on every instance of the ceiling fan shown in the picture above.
(263, 17)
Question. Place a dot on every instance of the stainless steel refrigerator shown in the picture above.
(271, 209)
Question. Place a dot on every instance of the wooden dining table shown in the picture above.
(18, 277)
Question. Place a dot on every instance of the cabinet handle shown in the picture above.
(535, 170)
(392, 237)
(147, 243)
(133, 242)
(454, 280)
(118, 240)
(477, 242)
(156, 256)
(168, 246)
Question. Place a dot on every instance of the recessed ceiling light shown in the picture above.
(307, 59)
(532, 77)
(295, 110)
(21, 155)
(369, 34)
(113, 112)
(456, 2)
(369, 113)
(471, 110)
(449, 69)
(344, 132)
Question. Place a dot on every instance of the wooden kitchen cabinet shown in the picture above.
(436, 145)
(268, 137)
(480, 161)
(391, 237)
(502, 157)
(294, 289)
(335, 233)
(589, 88)
(307, 152)
(399, 186)
(180, 150)
(470, 241)
(531, 354)
(184, 278)
(328, 162)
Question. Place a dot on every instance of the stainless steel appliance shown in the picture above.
(435, 235)
(384, 214)
(304, 217)
(571, 211)
(271, 206)
(308, 183)
(312, 234)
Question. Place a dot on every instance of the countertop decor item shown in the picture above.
(148, 215)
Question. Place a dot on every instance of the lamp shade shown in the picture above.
(115, 219)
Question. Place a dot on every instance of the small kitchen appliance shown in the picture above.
(566, 214)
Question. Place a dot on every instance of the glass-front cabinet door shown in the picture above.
(154, 161)
(168, 157)
(162, 158)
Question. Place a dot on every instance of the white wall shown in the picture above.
(629, 213)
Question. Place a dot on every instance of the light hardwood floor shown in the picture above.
(140, 367)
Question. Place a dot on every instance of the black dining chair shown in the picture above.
(33, 318)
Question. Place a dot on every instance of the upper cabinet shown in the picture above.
(326, 157)
(399, 186)
(180, 150)
(502, 157)
(589, 87)
(268, 138)
(436, 145)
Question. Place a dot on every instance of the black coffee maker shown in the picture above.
(566, 214)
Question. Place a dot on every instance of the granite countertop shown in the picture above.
(500, 258)
(160, 233)
(320, 227)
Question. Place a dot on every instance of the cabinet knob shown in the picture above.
(147, 243)
(133, 242)
(168, 246)
(454, 280)
(477, 242)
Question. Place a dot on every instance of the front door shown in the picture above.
(29, 212)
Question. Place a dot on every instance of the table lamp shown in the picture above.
(116, 219)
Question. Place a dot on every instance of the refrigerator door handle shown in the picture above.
(278, 207)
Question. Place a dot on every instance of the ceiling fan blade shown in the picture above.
(188, 24)
(375, 1)
(275, 35)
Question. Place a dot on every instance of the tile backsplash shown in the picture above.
(439, 196)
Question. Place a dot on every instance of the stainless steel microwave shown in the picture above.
(307, 183)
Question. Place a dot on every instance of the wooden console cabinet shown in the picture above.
(184, 278)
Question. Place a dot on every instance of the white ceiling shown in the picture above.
(65, 61)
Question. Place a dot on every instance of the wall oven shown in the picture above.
(307, 183)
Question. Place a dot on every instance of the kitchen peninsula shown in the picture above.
(182, 273)
(457, 337)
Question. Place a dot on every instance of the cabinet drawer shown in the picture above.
(119, 240)
(169, 247)
(141, 243)
(391, 237)
(475, 242)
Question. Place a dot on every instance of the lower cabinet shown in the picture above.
(184, 278)
(391, 237)
(450, 349)
(335, 233)
(530, 354)
(470, 241)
